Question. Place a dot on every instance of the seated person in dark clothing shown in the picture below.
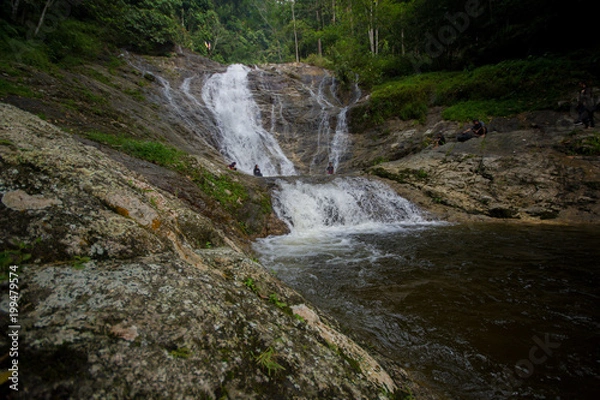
(330, 169)
(439, 140)
(477, 130)
(257, 171)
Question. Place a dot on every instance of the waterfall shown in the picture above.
(334, 148)
(242, 138)
(322, 154)
(341, 204)
(220, 108)
(339, 145)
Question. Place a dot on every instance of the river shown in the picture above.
(475, 311)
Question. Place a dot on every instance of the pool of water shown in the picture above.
(476, 311)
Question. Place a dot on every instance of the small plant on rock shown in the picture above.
(266, 360)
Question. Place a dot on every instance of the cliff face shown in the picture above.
(120, 297)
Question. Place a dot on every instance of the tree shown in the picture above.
(14, 9)
(49, 3)
(295, 31)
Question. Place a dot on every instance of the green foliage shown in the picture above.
(467, 110)
(16, 50)
(274, 300)
(79, 261)
(16, 256)
(396, 99)
(226, 191)
(267, 360)
(9, 88)
(384, 40)
(380, 160)
(74, 42)
(181, 352)
(503, 89)
(135, 93)
(149, 25)
(587, 145)
(154, 152)
(250, 285)
(318, 61)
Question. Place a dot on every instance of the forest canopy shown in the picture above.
(378, 39)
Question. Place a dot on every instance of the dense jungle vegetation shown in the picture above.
(501, 56)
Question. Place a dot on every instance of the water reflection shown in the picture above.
(477, 311)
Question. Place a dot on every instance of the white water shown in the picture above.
(241, 136)
(342, 204)
(339, 145)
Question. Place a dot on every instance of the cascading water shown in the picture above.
(328, 149)
(340, 142)
(326, 218)
(343, 203)
(477, 311)
(185, 108)
(242, 138)
(339, 145)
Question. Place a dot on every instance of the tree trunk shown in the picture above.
(15, 9)
(373, 30)
(402, 41)
(295, 33)
(49, 4)
(333, 12)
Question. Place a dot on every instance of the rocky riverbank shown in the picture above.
(535, 167)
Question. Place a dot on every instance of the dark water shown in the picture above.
(479, 311)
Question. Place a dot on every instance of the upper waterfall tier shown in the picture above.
(242, 137)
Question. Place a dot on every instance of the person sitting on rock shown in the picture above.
(257, 171)
(477, 130)
(232, 166)
(439, 140)
(330, 169)
(585, 106)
